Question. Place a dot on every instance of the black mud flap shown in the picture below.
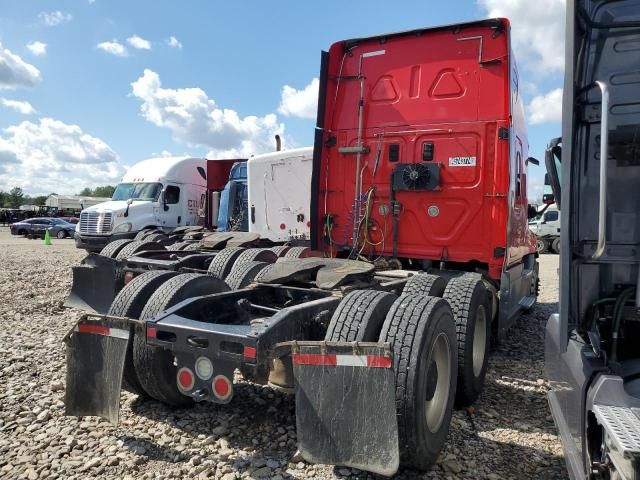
(94, 284)
(96, 349)
(345, 405)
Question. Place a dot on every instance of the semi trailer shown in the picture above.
(592, 350)
(419, 257)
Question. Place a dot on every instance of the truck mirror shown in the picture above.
(534, 161)
(553, 161)
(165, 207)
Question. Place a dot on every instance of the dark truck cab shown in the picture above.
(592, 348)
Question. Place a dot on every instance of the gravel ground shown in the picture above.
(509, 434)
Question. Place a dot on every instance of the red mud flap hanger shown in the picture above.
(96, 349)
(345, 404)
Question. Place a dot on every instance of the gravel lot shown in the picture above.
(510, 433)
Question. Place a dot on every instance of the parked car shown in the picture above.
(37, 226)
(73, 220)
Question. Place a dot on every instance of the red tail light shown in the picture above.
(222, 387)
(185, 379)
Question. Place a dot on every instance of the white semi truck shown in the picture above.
(546, 226)
(165, 193)
(162, 193)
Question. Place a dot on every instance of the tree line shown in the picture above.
(16, 197)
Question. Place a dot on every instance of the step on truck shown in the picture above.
(420, 255)
(592, 348)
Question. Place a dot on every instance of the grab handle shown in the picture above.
(604, 153)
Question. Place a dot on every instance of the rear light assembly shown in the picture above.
(204, 368)
(222, 387)
(185, 379)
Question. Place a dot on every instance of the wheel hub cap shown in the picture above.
(438, 382)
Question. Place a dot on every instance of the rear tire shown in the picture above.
(242, 276)
(223, 262)
(555, 245)
(298, 252)
(255, 255)
(281, 250)
(192, 246)
(129, 303)
(155, 237)
(470, 303)
(421, 331)
(154, 365)
(137, 246)
(425, 284)
(61, 234)
(542, 245)
(177, 246)
(112, 249)
(144, 232)
(360, 316)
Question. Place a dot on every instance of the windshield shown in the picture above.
(137, 191)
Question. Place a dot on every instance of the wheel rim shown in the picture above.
(540, 245)
(438, 382)
(479, 340)
(61, 234)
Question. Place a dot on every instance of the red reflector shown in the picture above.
(250, 352)
(95, 329)
(314, 359)
(152, 332)
(308, 224)
(282, 226)
(221, 387)
(185, 379)
(128, 277)
(379, 362)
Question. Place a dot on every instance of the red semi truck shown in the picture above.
(422, 253)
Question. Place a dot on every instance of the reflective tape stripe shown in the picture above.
(102, 330)
(370, 361)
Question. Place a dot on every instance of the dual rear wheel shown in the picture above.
(440, 348)
(421, 332)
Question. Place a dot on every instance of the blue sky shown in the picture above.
(106, 86)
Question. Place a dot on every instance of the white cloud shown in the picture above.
(51, 156)
(37, 48)
(138, 42)
(195, 119)
(173, 42)
(114, 48)
(300, 103)
(19, 106)
(15, 72)
(537, 31)
(546, 108)
(53, 19)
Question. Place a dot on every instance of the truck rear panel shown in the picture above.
(434, 134)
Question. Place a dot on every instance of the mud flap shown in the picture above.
(94, 284)
(96, 349)
(345, 405)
